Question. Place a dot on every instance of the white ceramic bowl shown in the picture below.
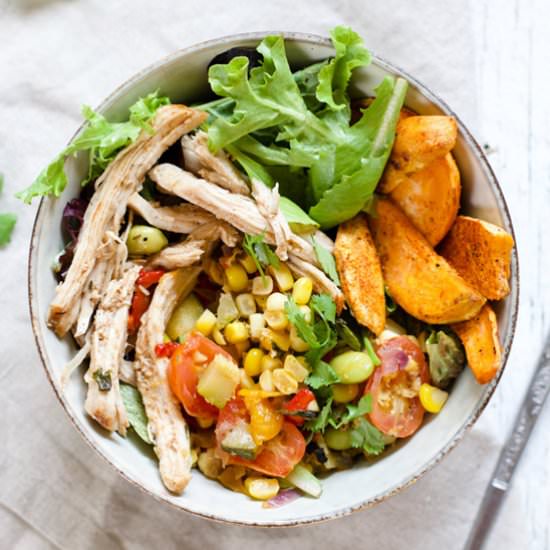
(183, 76)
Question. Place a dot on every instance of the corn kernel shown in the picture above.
(253, 362)
(284, 381)
(432, 398)
(166, 338)
(245, 304)
(283, 277)
(257, 325)
(295, 368)
(214, 271)
(261, 301)
(277, 320)
(261, 488)
(302, 290)
(276, 302)
(281, 339)
(206, 322)
(296, 343)
(236, 332)
(266, 381)
(237, 278)
(246, 380)
(303, 361)
(269, 363)
(262, 286)
(218, 337)
(344, 393)
(248, 263)
(306, 312)
(265, 339)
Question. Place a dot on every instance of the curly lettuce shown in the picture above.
(101, 139)
(302, 121)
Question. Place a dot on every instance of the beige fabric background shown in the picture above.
(55, 492)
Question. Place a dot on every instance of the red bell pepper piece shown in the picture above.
(166, 349)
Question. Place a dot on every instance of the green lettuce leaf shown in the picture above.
(298, 220)
(375, 131)
(137, 417)
(326, 259)
(7, 223)
(334, 77)
(101, 139)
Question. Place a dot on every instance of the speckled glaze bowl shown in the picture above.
(183, 76)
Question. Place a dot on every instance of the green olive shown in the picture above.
(144, 240)
(352, 367)
(338, 440)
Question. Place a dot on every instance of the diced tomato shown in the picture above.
(140, 300)
(183, 374)
(166, 349)
(140, 303)
(277, 457)
(394, 385)
(148, 278)
(296, 409)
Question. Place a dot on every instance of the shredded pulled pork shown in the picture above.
(216, 168)
(167, 426)
(116, 185)
(109, 332)
(239, 211)
(183, 254)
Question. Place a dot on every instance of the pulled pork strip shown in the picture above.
(182, 218)
(267, 201)
(321, 282)
(116, 185)
(183, 254)
(216, 168)
(109, 332)
(240, 211)
(167, 426)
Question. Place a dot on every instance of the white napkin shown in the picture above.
(54, 490)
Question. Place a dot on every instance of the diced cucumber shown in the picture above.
(304, 480)
(239, 441)
(184, 318)
(219, 380)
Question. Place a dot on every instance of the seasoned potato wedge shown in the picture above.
(419, 280)
(481, 343)
(431, 198)
(420, 140)
(480, 252)
(360, 273)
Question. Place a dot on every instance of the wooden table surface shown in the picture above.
(513, 79)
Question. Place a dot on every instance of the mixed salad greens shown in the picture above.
(285, 353)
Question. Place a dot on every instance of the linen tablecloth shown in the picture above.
(55, 492)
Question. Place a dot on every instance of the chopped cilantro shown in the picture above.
(367, 437)
(256, 247)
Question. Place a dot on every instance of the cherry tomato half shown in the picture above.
(394, 385)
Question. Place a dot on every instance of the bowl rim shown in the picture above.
(471, 143)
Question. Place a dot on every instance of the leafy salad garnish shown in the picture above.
(137, 417)
(7, 220)
(102, 140)
(272, 118)
(256, 247)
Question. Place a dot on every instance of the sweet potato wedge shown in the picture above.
(419, 141)
(481, 343)
(360, 273)
(480, 252)
(431, 198)
(419, 280)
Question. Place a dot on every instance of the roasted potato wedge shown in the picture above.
(431, 198)
(360, 273)
(419, 280)
(481, 343)
(419, 141)
(480, 252)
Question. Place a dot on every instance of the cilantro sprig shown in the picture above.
(256, 247)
